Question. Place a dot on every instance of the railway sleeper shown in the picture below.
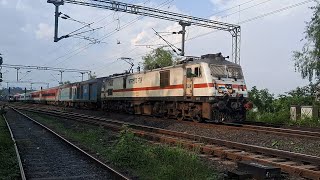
(287, 166)
(305, 170)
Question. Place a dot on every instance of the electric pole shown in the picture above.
(61, 77)
(1, 61)
(183, 33)
(56, 3)
(182, 19)
(82, 76)
(17, 68)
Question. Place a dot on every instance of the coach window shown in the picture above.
(197, 72)
(70, 93)
(164, 78)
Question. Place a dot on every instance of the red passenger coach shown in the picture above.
(35, 96)
(49, 95)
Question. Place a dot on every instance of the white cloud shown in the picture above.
(44, 31)
(138, 38)
(219, 2)
(26, 28)
(267, 43)
(3, 2)
(22, 6)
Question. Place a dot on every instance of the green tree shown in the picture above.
(261, 99)
(157, 58)
(307, 61)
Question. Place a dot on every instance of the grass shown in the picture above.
(9, 168)
(129, 152)
(158, 162)
(282, 118)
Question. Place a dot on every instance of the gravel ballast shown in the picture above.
(45, 156)
(293, 144)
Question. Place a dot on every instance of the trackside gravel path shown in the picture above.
(45, 156)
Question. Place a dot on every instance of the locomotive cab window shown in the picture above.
(189, 73)
(164, 78)
(124, 82)
(197, 72)
(110, 92)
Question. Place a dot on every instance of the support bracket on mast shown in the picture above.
(56, 3)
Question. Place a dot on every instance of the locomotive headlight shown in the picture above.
(248, 105)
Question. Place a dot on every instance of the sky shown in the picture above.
(268, 38)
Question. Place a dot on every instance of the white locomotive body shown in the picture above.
(206, 88)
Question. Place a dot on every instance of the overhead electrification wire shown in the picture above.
(259, 16)
(250, 19)
(113, 32)
(79, 50)
(247, 2)
(76, 44)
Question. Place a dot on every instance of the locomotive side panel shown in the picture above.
(163, 83)
(161, 92)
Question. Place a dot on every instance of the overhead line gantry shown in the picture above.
(61, 70)
(183, 20)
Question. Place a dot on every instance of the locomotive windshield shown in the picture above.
(218, 71)
(234, 72)
(221, 71)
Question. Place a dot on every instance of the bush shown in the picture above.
(157, 162)
(307, 122)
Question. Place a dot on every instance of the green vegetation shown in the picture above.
(307, 61)
(132, 153)
(157, 58)
(158, 162)
(9, 168)
(271, 109)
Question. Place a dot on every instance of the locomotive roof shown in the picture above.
(216, 59)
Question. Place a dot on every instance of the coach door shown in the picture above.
(189, 83)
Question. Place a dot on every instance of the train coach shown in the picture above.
(84, 94)
(198, 89)
(81, 94)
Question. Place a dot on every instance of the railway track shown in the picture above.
(298, 133)
(275, 130)
(293, 163)
(256, 123)
(47, 155)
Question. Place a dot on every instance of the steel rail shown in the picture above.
(117, 175)
(267, 130)
(293, 163)
(22, 174)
